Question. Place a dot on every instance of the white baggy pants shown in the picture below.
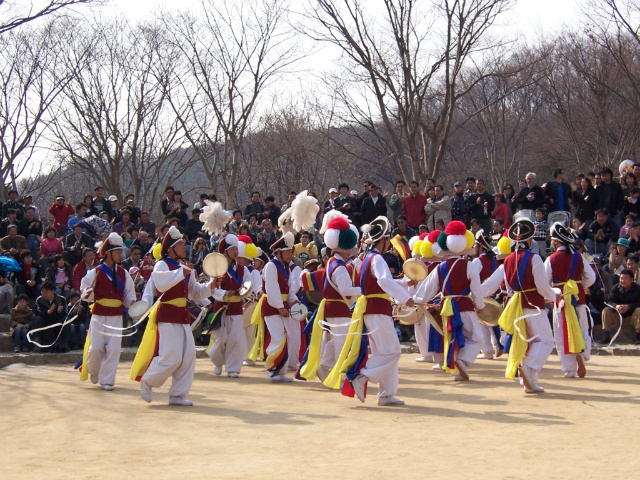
(382, 365)
(104, 351)
(568, 361)
(229, 346)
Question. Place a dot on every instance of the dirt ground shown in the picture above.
(57, 427)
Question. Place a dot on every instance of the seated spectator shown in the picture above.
(193, 226)
(134, 260)
(255, 207)
(50, 246)
(475, 225)
(10, 219)
(579, 228)
(13, 204)
(601, 289)
(74, 245)
(28, 280)
(50, 309)
(31, 229)
(81, 210)
(498, 230)
(403, 229)
(78, 328)
(254, 226)
(234, 224)
(27, 201)
(13, 244)
(625, 231)
(101, 204)
(628, 182)
(20, 320)
(198, 254)
(542, 229)
(60, 274)
(61, 213)
(6, 292)
(267, 236)
(631, 206)
(144, 242)
(618, 257)
(305, 250)
(501, 210)
(634, 237)
(146, 225)
(600, 232)
(632, 265)
(82, 268)
(272, 211)
(625, 298)
(125, 223)
(422, 228)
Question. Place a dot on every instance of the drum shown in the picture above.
(138, 309)
(249, 308)
(245, 290)
(435, 320)
(491, 312)
(415, 269)
(215, 265)
(298, 312)
(406, 315)
(198, 320)
(313, 296)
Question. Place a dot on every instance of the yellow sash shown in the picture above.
(512, 322)
(84, 372)
(309, 369)
(446, 312)
(257, 319)
(575, 339)
(351, 348)
(147, 349)
(107, 302)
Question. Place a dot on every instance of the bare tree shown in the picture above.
(16, 14)
(230, 56)
(411, 62)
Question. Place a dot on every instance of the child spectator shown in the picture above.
(28, 280)
(422, 229)
(632, 205)
(20, 320)
(540, 235)
(625, 231)
(618, 257)
(61, 275)
(475, 225)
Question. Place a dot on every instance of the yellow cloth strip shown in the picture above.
(271, 359)
(351, 348)
(147, 348)
(257, 319)
(512, 322)
(84, 373)
(446, 312)
(232, 299)
(109, 302)
(574, 334)
(309, 369)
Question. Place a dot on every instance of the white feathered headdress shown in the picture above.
(215, 217)
(285, 223)
(305, 210)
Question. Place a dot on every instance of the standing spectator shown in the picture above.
(396, 200)
(28, 280)
(345, 203)
(330, 203)
(267, 236)
(609, 195)
(481, 206)
(101, 204)
(31, 229)
(201, 203)
(470, 183)
(193, 226)
(459, 209)
(20, 320)
(255, 206)
(530, 197)
(13, 244)
(81, 268)
(113, 200)
(234, 225)
(291, 196)
(27, 201)
(541, 232)
(632, 205)
(558, 192)
(272, 211)
(413, 206)
(374, 205)
(366, 185)
(61, 213)
(50, 309)
(198, 254)
(584, 198)
(628, 182)
(600, 232)
(501, 210)
(74, 245)
(403, 229)
(14, 204)
(507, 198)
(166, 204)
(438, 208)
(125, 222)
(133, 210)
(178, 209)
(10, 219)
(87, 200)
(146, 225)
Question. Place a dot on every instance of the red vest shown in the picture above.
(230, 283)
(561, 267)
(170, 313)
(375, 306)
(268, 310)
(335, 306)
(432, 266)
(104, 289)
(458, 283)
(487, 266)
(528, 283)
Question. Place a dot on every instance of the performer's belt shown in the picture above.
(335, 300)
(559, 284)
(176, 302)
(527, 290)
(378, 295)
(109, 302)
(232, 299)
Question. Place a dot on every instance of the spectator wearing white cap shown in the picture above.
(113, 200)
(330, 204)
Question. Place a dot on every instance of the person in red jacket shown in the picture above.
(61, 213)
(81, 268)
(413, 206)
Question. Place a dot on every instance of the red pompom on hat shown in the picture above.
(338, 224)
(433, 236)
(456, 227)
(424, 235)
(245, 239)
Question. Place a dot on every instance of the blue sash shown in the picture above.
(332, 268)
(522, 270)
(234, 275)
(364, 268)
(280, 267)
(110, 275)
(176, 265)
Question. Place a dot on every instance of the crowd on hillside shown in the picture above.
(53, 256)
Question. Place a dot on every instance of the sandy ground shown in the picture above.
(57, 427)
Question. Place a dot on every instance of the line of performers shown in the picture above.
(350, 339)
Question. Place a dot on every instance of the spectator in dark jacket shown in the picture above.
(374, 205)
(609, 195)
(101, 204)
(28, 280)
(530, 197)
(50, 309)
(14, 204)
(146, 225)
(272, 211)
(345, 203)
(193, 226)
(601, 231)
(75, 244)
(625, 296)
(481, 205)
(254, 207)
(584, 198)
(558, 192)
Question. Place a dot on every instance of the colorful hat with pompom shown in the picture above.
(416, 242)
(229, 241)
(376, 230)
(455, 239)
(113, 242)
(402, 246)
(340, 235)
(246, 248)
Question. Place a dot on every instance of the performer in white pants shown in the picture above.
(228, 342)
(111, 289)
(568, 270)
(247, 252)
(293, 326)
(176, 354)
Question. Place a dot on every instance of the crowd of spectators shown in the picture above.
(55, 255)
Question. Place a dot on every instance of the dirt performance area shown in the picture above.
(54, 426)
